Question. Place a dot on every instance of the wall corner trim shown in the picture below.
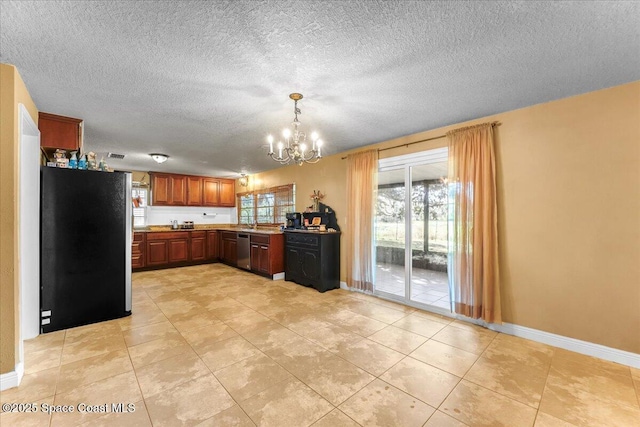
(12, 379)
(583, 347)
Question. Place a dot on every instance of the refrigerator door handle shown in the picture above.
(128, 242)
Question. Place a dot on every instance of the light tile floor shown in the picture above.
(214, 346)
(427, 286)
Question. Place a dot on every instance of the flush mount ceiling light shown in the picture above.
(294, 148)
(244, 180)
(159, 158)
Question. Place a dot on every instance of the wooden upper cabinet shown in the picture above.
(182, 190)
(168, 189)
(60, 132)
(227, 192)
(178, 190)
(219, 192)
(160, 189)
(194, 191)
(211, 192)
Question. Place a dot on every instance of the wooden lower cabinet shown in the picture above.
(152, 250)
(267, 254)
(157, 252)
(174, 248)
(198, 245)
(229, 247)
(213, 245)
(259, 262)
(179, 250)
(138, 250)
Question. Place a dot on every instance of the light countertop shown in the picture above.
(205, 227)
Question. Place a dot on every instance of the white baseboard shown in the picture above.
(13, 378)
(583, 347)
(278, 276)
(571, 344)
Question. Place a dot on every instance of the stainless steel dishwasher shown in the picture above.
(244, 251)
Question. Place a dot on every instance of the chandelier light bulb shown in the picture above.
(303, 148)
(314, 136)
(270, 139)
(286, 133)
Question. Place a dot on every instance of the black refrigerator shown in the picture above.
(85, 247)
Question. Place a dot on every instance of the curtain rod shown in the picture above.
(407, 144)
(417, 142)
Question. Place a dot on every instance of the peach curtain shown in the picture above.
(473, 224)
(362, 182)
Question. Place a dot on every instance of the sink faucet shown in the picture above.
(251, 224)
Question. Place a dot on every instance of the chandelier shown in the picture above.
(295, 149)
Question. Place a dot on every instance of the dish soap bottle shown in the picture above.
(73, 162)
(82, 164)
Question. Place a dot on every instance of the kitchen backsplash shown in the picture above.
(163, 215)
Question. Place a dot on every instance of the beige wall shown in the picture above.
(12, 93)
(569, 211)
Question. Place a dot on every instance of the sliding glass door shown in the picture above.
(411, 230)
(390, 227)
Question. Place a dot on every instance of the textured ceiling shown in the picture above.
(206, 81)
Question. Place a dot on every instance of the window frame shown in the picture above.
(139, 213)
(284, 201)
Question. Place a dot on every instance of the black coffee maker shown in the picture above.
(294, 220)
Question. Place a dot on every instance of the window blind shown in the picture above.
(267, 206)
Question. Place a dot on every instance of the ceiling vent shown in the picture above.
(115, 156)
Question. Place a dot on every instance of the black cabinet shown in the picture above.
(313, 259)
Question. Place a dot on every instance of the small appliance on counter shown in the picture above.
(294, 220)
(322, 220)
(187, 225)
(315, 220)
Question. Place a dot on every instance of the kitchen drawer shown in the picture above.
(229, 235)
(168, 235)
(138, 237)
(137, 261)
(198, 234)
(303, 239)
(260, 238)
